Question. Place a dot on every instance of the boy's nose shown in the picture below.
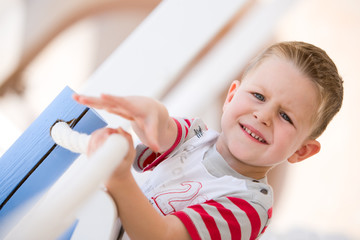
(264, 115)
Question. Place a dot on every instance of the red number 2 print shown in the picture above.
(172, 200)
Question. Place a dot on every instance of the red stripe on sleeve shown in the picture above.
(209, 222)
(251, 214)
(149, 159)
(164, 155)
(141, 166)
(188, 122)
(262, 232)
(270, 211)
(186, 131)
(185, 219)
(269, 216)
(234, 226)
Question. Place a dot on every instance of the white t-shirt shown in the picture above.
(193, 182)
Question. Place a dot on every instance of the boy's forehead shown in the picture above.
(282, 81)
(275, 72)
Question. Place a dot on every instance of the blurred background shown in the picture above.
(47, 44)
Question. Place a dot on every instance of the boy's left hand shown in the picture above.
(98, 138)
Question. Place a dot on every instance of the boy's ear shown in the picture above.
(232, 90)
(308, 149)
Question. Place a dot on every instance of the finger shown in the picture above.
(116, 102)
(131, 152)
(94, 102)
(152, 136)
(149, 132)
(120, 106)
(122, 114)
(76, 97)
(125, 134)
(98, 138)
(124, 103)
(113, 105)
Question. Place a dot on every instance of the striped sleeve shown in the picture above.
(146, 159)
(225, 218)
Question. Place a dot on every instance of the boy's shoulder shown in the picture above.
(260, 193)
(191, 127)
(190, 133)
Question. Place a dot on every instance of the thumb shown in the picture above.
(129, 139)
(151, 133)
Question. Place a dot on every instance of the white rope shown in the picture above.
(57, 210)
(64, 136)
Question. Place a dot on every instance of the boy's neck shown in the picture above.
(244, 169)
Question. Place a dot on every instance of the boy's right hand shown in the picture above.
(150, 119)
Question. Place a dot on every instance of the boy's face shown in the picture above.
(268, 116)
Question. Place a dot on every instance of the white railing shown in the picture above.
(57, 210)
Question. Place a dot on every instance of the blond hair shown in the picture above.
(317, 66)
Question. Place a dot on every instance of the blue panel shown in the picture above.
(36, 152)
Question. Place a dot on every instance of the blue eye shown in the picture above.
(259, 96)
(285, 117)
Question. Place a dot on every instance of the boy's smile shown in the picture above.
(268, 117)
(254, 134)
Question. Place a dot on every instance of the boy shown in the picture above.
(209, 185)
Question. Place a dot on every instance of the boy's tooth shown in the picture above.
(253, 134)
